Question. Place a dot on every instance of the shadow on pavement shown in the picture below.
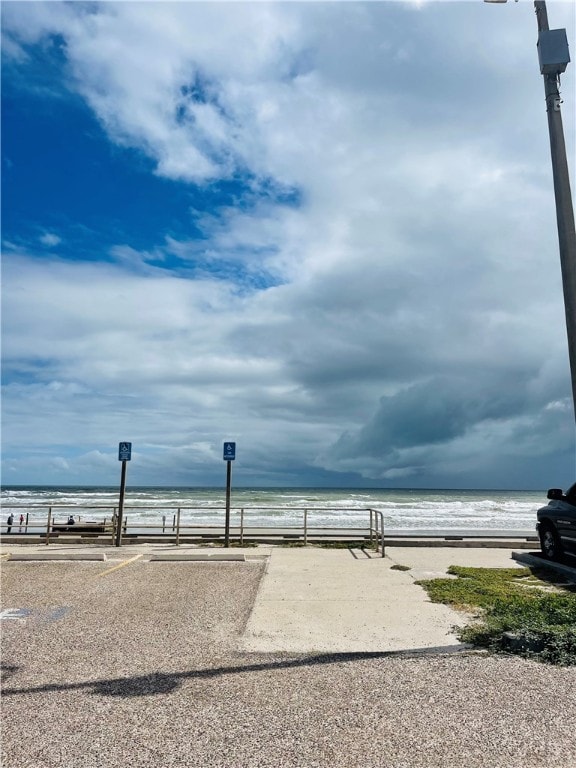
(161, 683)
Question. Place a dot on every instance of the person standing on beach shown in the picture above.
(9, 523)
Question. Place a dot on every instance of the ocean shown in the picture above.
(404, 510)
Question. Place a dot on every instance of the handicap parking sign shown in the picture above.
(229, 451)
(124, 451)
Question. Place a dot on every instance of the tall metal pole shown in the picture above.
(228, 486)
(563, 195)
(118, 541)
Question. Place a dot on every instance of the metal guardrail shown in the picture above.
(170, 527)
(49, 527)
(378, 530)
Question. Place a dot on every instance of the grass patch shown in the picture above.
(400, 568)
(517, 610)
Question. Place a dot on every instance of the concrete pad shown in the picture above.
(433, 562)
(330, 601)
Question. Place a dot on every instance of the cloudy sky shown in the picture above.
(325, 231)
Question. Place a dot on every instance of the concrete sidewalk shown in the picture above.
(337, 600)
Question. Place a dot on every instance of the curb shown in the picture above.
(56, 556)
(541, 562)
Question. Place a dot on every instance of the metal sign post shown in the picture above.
(229, 456)
(124, 455)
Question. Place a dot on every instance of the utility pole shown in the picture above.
(554, 57)
(550, 44)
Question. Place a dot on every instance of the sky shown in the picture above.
(325, 231)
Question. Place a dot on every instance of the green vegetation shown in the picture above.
(516, 610)
(400, 568)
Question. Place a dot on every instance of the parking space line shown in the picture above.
(121, 565)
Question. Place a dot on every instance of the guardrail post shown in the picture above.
(163, 523)
(48, 525)
(178, 527)
(371, 527)
(305, 527)
(241, 526)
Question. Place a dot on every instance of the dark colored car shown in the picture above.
(556, 524)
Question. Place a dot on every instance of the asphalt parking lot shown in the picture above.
(139, 663)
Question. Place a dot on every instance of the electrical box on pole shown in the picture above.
(553, 53)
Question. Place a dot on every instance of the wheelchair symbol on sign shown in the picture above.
(124, 451)
(229, 451)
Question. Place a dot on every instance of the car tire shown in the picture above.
(550, 543)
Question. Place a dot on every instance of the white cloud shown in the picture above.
(50, 239)
(419, 284)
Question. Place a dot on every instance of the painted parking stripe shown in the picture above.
(14, 614)
(121, 565)
(21, 614)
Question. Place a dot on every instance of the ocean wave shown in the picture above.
(413, 510)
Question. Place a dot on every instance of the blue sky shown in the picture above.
(323, 230)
